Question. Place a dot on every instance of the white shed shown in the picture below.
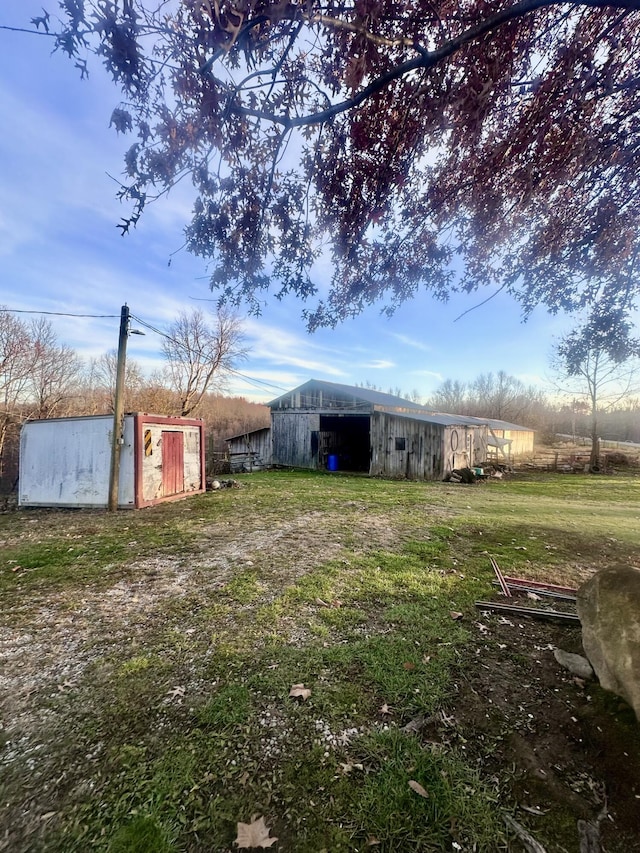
(66, 461)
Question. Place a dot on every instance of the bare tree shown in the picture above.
(56, 370)
(16, 363)
(588, 367)
(200, 355)
(104, 377)
(492, 395)
(450, 396)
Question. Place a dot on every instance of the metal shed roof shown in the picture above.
(368, 395)
(439, 418)
(247, 432)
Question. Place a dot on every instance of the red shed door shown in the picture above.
(172, 462)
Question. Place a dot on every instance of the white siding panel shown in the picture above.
(66, 462)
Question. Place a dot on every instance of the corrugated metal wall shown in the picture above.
(522, 441)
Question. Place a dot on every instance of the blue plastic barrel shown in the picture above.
(332, 463)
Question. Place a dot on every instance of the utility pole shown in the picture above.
(118, 411)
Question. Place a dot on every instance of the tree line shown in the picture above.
(564, 407)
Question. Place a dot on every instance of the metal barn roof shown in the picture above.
(367, 395)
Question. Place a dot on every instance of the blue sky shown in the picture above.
(60, 251)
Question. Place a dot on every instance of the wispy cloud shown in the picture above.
(411, 342)
(278, 346)
(432, 374)
(379, 364)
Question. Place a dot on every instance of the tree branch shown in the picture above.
(426, 60)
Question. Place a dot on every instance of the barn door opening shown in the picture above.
(172, 462)
(347, 439)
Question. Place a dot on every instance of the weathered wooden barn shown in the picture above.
(250, 451)
(327, 426)
(66, 461)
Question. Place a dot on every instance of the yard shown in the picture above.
(148, 659)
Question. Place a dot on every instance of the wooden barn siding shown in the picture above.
(292, 443)
(480, 435)
(250, 452)
(465, 446)
(522, 442)
(422, 458)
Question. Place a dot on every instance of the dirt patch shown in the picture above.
(564, 749)
(61, 634)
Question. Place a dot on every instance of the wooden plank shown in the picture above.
(551, 615)
(567, 590)
(503, 585)
(538, 591)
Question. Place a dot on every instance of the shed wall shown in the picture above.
(66, 462)
(250, 452)
(464, 446)
(153, 484)
(423, 455)
(522, 441)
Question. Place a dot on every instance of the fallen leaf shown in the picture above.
(385, 709)
(299, 691)
(417, 787)
(176, 693)
(455, 615)
(408, 665)
(447, 719)
(426, 658)
(372, 841)
(533, 596)
(336, 602)
(254, 834)
(322, 603)
(534, 810)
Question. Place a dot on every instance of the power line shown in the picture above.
(59, 313)
(257, 383)
(157, 331)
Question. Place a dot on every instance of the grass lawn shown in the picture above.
(148, 659)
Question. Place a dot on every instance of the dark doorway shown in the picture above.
(346, 437)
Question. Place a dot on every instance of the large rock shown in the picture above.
(609, 610)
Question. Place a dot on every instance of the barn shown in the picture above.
(250, 451)
(66, 462)
(328, 426)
